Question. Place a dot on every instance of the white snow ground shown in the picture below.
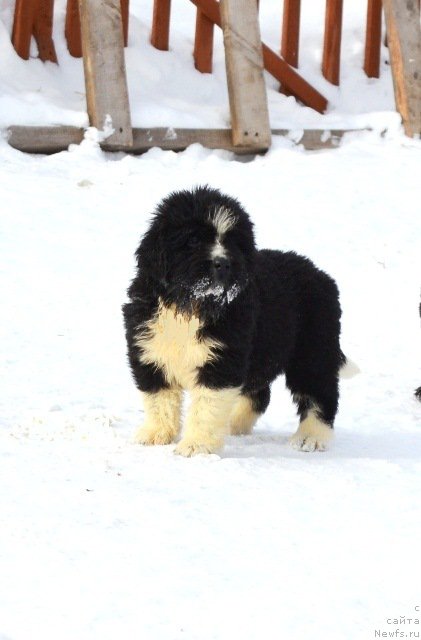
(103, 539)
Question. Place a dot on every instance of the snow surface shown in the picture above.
(103, 539)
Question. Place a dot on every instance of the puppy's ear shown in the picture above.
(151, 254)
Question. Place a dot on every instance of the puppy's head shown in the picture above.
(199, 249)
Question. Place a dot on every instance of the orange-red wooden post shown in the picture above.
(373, 38)
(72, 29)
(291, 81)
(34, 17)
(291, 31)
(332, 41)
(125, 18)
(43, 30)
(203, 43)
(23, 23)
(160, 35)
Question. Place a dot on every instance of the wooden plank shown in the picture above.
(180, 139)
(23, 22)
(54, 139)
(275, 65)
(332, 41)
(373, 38)
(160, 34)
(292, 81)
(244, 65)
(72, 26)
(291, 31)
(203, 43)
(43, 30)
(404, 42)
(72, 29)
(43, 139)
(105, 72)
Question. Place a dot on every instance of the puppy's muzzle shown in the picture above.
(221, 270)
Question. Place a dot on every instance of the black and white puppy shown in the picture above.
(210, 314)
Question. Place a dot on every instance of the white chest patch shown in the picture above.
(170, 341)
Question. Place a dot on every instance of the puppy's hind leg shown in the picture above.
(313, 433)
(162, 417)
(317, 403)
(312, 372)
(246, 411)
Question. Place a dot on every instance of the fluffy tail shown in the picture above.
(348, 368)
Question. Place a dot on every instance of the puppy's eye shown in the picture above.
(193, 242)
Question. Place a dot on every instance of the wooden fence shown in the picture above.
(35, 17)
(98, 30)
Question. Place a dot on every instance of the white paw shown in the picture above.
(240, 429)
(189, 448)
(308, 443)
(148, 436)
(312, 434)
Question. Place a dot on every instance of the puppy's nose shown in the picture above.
(221, 269)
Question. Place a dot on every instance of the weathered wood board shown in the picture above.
(244, 65)
(54, 139)
(404, 42)
(105, 71)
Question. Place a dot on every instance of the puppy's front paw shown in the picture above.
(189, 448)
(307, 443)
(150, 436)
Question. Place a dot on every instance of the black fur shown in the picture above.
(276, 313)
